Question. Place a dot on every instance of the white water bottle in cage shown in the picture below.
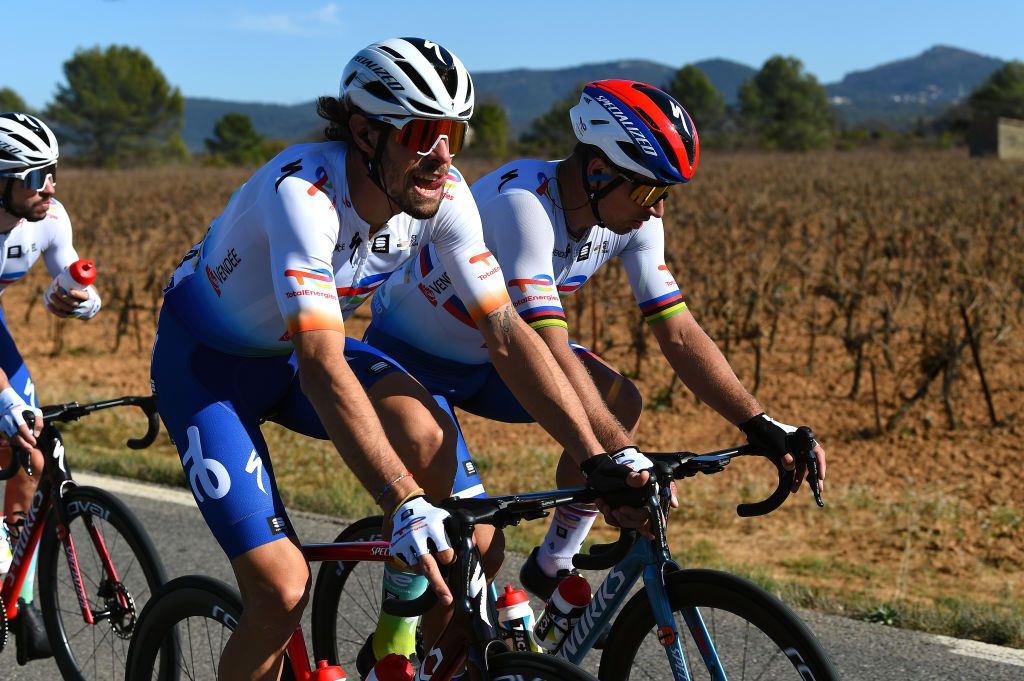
(567, 603)
(515, 620)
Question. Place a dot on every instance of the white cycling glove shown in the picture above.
(11, 408)
(631, 456)
(86, 309)
(417, 525)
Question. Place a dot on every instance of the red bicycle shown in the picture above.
(195, 614)
(90, 590)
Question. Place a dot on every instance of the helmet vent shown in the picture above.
(381, 91)
(25, 142)
(450, 78)
(631, 151)
(415, 77)
(423, 108)
(351, 77)
(394, 53)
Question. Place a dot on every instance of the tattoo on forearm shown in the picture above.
(504, 320)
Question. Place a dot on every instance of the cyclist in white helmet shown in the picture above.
(33, 224)
(552, 225)
(252, 328)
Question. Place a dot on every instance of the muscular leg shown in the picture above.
(274, 580)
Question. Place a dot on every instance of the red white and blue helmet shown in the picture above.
(641, 129)
(25, 142)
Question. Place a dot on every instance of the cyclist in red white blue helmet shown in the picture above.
(552, 225)
(640, 130)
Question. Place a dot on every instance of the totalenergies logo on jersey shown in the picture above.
(670, 280)
(540, 283)
(320, 278)
(322, 181)
(486, 258)
(454, 176)
(488, 261)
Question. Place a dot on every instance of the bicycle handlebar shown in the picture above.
(72, 411)
(512, 509)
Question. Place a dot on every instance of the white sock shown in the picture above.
(568, 529)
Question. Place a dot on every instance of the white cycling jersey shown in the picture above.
(291, 254)
(49, 238)
(524, 226)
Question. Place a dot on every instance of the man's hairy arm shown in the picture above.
(604, 424)
(347, 414)
(703, 368)
(537, 381)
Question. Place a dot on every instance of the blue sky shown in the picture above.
(290, 52)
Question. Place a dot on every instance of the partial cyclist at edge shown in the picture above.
(552, 225)
(33, 224)
(253, 329)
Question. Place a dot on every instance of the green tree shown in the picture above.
(490, 130)
(551, 133)
(236, 141)
(786, 108)
(118, 109)
(705, 104)
(1001, 95)
(11, 101)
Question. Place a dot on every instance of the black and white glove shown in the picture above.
(766, 433)
(607, 473)
(418, 530)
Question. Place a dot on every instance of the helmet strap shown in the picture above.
(595, 194)
(373, 169)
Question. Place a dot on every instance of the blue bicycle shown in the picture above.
(683, 624)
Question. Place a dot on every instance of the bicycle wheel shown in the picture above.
(187, 623)
(346, 600)
(535, 666)
(82, 651)
(754, 634)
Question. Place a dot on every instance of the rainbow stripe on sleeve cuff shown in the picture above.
(661, 308)
(541, 317)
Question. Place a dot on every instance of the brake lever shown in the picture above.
(802, 443)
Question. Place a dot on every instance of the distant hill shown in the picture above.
(897, 93)
(525, 94)
(274, 121)
(901, 91)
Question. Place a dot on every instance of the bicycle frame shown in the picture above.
(54, 480)
(476, 607)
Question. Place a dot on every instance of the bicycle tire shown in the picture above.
(335, 634)
(517, 666)
(732, 609)
(193, 614)
(83, 652)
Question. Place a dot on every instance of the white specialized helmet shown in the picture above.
(25, 142)
(405, 77)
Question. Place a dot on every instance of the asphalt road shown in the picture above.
(860, 650)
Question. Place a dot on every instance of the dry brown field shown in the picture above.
(845, 289)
